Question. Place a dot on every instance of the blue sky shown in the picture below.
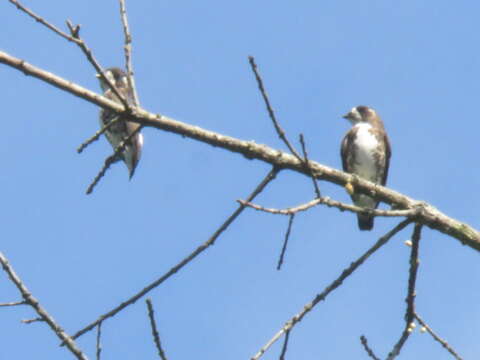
(415, 62)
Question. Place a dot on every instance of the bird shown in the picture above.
(366, 152)
(122, 129)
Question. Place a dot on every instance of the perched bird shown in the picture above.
(366, 152)
(121, 129)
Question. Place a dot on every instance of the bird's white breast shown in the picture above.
(365, 146)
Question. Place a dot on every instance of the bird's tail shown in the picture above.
(365, 222)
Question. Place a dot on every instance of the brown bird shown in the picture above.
(366, 152)
(121, 129)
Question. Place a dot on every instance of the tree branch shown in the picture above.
(44, 315)
(429, 215)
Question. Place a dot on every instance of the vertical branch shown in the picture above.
(99, 335)
(156, 336)
(128, 51)
(410, 300)
(285, 345)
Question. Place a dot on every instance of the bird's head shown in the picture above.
(116, 76)
(360, 114)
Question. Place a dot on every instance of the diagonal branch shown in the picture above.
(428, 215)
(44, 315)
(111, 159)
(211, 241)
(307, 165)
(280, 132)
(285, 242)
(335, 284)
(75, 38)
(436, 337)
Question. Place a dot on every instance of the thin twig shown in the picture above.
(307, 165)
(271, 113)
(285, 345)
(31, 321)
(211, 241)
(156, 336)
(332, 203)
(15, 303)
(335, 284)
(33, 302)
(111, 159)
(436, 337)
(285, 242)
(128, 52)
(369, 351)
(410, 299)
(97, 135)
(43, 22)
(99, 345)
(75, 38)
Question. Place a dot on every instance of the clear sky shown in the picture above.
(414, 61)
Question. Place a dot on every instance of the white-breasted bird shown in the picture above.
(366, 152)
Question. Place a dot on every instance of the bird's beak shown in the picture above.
(347, 116)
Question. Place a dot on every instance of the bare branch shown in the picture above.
(75, 38)
(307, 165)
(43, 22)
(436, 337)
(156, 336)
(429, 215)
(97, 135)
(410, 300)
(335, 284)
(287, 236)
(369, 351)
(128, 52)
(270, 176)
(15, 303)
(44, 316)
(285, 345)
(111, 159)
(99, 345)
(31, 321)
(271, 113)
(333, 203)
